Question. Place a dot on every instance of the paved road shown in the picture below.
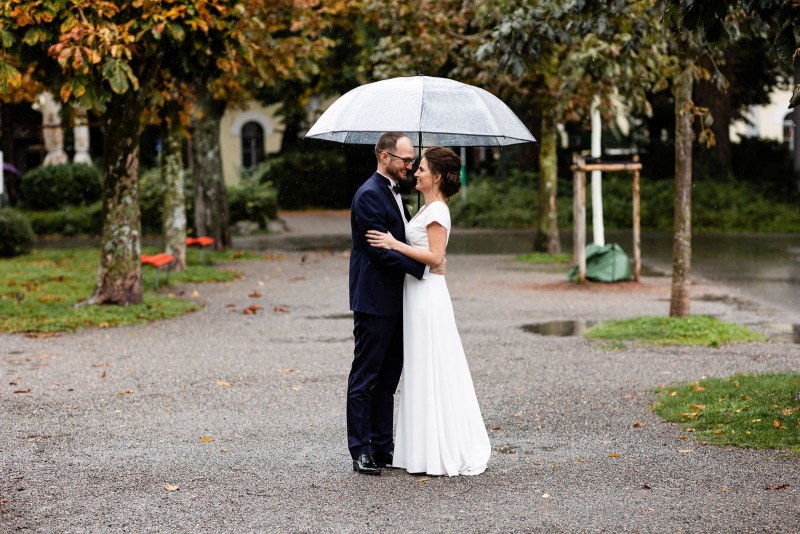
(225, 421)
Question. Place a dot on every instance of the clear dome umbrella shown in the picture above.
(430, 110)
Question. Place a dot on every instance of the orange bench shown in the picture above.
(202, 242)
(158, 261)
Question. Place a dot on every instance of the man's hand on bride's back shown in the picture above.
(439, 269)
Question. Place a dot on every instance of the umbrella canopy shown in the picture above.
(436, 111)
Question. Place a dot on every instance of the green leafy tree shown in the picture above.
(125, 58)
(106, 56)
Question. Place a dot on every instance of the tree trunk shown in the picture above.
(119, 278)
(682, 237)
(211, 202)
(547, 238)
(174, 222)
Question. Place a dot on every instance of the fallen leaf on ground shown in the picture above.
(254, 295)
(41, 335)
(288, 371)
(22, 390)
(545, 495)
(230, 305)
(103, 374)
(282, 309)
(170, 487)
(252, 309)
(637, 425)
(778, 487)
(206, 439)
(614, 455)
(645, 486)
(685, 451)
(423, 479)
(223, 383)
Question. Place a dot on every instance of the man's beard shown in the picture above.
(394, 173)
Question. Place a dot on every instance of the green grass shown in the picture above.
(758, 412)
(38, 291)
(692, 330)
(544, 258)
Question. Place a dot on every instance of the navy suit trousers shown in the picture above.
(375, 373)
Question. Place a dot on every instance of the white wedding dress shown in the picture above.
(440, 430)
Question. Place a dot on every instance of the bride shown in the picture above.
(440, 430)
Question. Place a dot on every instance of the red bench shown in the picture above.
(159, 261)
(202, 242)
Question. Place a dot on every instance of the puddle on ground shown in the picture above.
(559, 328)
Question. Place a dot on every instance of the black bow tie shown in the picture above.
(396, 189)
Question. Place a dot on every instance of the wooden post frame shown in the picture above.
(579, 169)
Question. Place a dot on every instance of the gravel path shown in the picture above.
(225, 421)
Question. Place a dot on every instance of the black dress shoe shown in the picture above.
(366, 465)
(383, 459)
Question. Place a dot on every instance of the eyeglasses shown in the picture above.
(406, 161)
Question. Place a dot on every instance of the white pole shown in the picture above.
(2, 175)
(597, 188)
(464, 173)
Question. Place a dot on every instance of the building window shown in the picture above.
(252, 144)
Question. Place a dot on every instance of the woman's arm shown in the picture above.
(432, 256)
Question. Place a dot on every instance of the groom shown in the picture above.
(376, 299)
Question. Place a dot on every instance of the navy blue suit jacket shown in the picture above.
(377, 274)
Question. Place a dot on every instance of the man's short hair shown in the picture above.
(387, 143)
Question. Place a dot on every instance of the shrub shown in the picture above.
(252, 201)
(16, 234)
(56, 186)
(304, 179)
(510, 202)
(70, 220)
